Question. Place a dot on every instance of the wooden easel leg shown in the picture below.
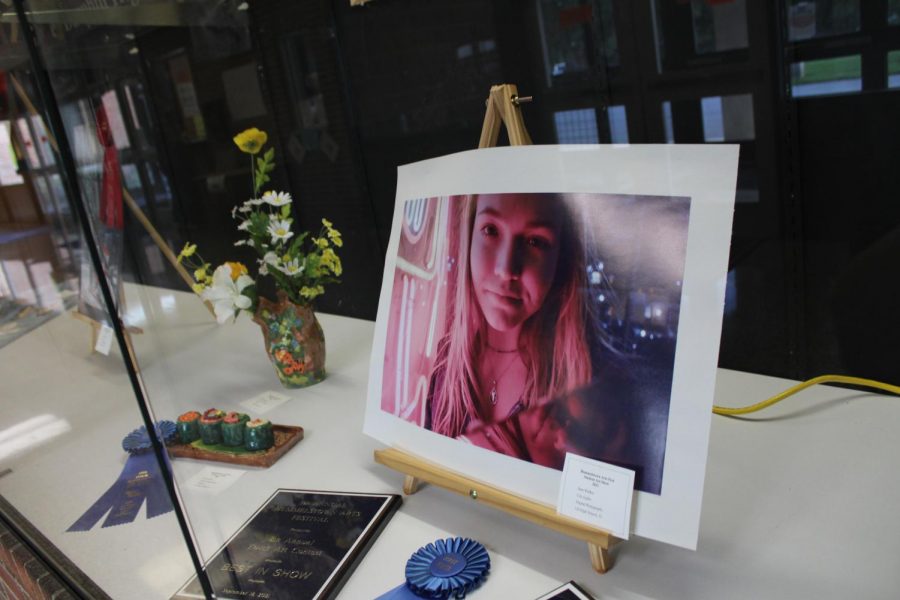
(600, 559)
(411, 485)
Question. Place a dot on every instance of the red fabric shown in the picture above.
(111, 208)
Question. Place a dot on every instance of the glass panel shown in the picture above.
(576, 126)
(893, 69)
(819, 18)
(840, 75)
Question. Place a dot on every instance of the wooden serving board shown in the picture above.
(286, 437)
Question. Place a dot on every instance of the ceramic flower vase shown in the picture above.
(294, 341)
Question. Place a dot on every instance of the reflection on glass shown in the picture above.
(840, 75)
(574, 32)
(30, 149)
(893, 12)
(576, 126)
(893, 69)
(114, 118)
(818, 18)
(42, 141)
(618, 125)
(728, 118)
(9, 167)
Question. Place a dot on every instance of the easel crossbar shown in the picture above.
(485, 493)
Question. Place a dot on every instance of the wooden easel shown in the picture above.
(502, 108)
(138, 214)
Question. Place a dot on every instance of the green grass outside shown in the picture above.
(893, 62)
(831, 69)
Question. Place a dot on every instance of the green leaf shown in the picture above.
(269, 155)
(285, 211)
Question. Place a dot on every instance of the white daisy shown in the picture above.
(291, 267)
(280, 230)
(276, 198)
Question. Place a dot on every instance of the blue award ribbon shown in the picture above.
(447, 568)
(140, 479)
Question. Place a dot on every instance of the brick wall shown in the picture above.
(23, 575)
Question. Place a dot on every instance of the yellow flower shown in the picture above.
(320, 242)
(187, 251)
(335, 236)
(331, 260)
(327, 223)
(237, 269)
(198, 288)
(251, 140)
(200, 274)
(311, 292)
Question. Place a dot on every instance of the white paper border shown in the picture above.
(707, 175)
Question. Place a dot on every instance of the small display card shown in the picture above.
(597, 493)
(265, 402)
(104, 340)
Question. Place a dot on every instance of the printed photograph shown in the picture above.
(536, 324)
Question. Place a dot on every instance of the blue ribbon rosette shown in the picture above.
(140, 480)
(447, 568)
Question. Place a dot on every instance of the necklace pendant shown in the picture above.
(493, 393)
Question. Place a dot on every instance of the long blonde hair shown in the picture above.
(562, 319)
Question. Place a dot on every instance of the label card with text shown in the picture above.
(597, 493)
(214, 479)
(265, 402)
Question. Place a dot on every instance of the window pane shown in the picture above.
(718, 26)
(893, 12)
(687, 31)
(728, 118)
(667, 122)
(618, 125)
(576, 126)
(893, 69)
(818, 18)
(572, 30)
(839, 75)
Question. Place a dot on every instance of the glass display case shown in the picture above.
(118, 153)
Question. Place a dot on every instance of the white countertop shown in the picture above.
(799, 501)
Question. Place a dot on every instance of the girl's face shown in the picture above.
(513, 256)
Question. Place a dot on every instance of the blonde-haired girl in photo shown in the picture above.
(518, 330)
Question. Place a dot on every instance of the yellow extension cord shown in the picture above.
(871, 383)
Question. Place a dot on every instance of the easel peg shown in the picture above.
(411, 485)
(600, 559)
(518, 100)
